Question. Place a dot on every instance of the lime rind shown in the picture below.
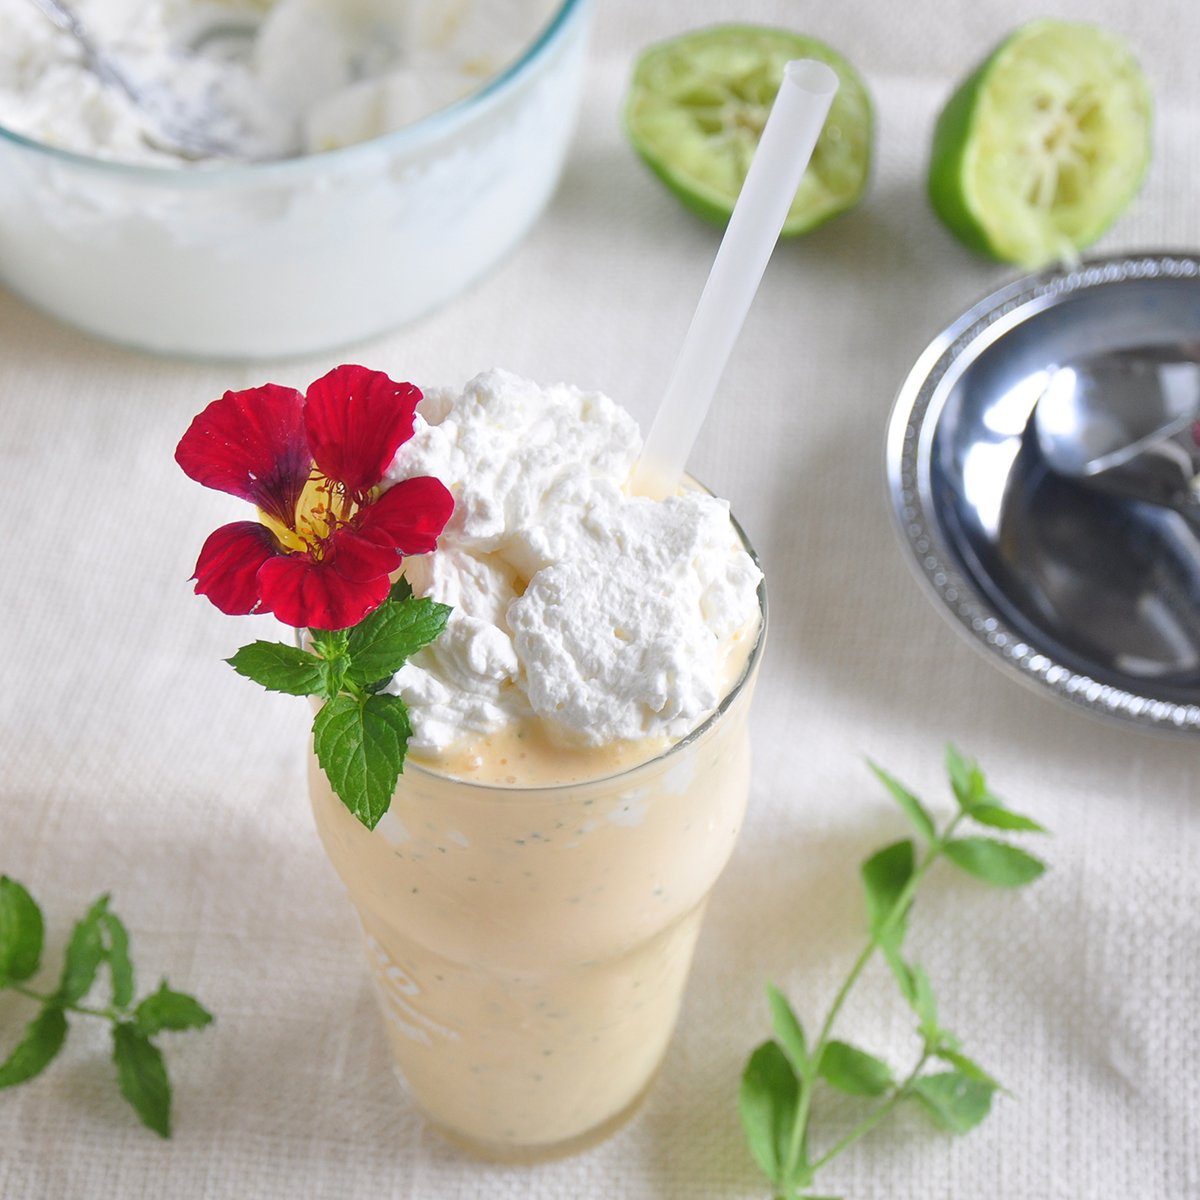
(947, 168)
(1044, 145)
(697, 104)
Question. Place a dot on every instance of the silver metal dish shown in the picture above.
(1092, 596)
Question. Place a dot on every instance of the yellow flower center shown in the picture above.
(323, 508)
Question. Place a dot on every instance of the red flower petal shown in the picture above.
(356, 421)
(227, 569)
(359, 559)
(408, 516)
(307, 594)
(251, 444)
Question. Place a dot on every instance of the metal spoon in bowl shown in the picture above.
(177, 128)
(1127, 421)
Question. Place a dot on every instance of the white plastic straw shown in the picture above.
(786, 145)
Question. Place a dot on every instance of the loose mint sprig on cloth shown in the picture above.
(321, 555)
(779, 1084)
(99, 938)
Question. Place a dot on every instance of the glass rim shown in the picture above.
(417, 135)
(689, 739)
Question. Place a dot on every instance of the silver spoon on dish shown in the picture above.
(1127, 421)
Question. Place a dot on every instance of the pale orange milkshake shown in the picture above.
(532, 898)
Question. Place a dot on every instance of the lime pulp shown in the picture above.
(1044, 145)
(697, 104)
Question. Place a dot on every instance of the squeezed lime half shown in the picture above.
(697, 104)
(1044, 145)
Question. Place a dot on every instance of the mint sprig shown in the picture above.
(360, 733)
(98, 939)
(361, 741)
(779, 1084)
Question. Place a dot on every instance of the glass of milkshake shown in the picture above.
(577, 776)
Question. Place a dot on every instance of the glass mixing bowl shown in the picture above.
(266, 260)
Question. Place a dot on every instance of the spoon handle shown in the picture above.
(64, 18)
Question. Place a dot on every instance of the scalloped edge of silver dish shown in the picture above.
(908, 437)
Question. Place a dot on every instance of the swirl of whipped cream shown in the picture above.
(604, 616)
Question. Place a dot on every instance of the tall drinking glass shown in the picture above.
(530, 945)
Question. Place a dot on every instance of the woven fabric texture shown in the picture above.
(135, 762)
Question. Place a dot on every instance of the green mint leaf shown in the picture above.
(788, 1029)
(85, 953)
(913, 808)
(329, 643)
(945, 1040)
(334, 671)
(956, 1102)
(400, 590)
(854, 1071)
(43, 1039)
(360, 744)
(885, 875)
(994, 862)
(918, 992)
(117, 952)
(281, 668)
(960, 776)
(767, 1104)
(966, 780)
(330, 648)
(924, 1004)
(998, 817)
(967, 1066)
(384, 640)
(22, 933)
(167, 1009)
(142, 1076)
(900, 970)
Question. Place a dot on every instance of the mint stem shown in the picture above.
(109, 1014)
(873, 1118)
(798, 1141)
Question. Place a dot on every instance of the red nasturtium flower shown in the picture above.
(327, 537)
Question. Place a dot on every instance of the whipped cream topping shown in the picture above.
(271, 80)
(602, 615)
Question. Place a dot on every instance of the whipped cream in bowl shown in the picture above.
(274, 80)
(386, 153)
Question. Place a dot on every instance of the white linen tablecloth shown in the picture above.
(133, 761)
